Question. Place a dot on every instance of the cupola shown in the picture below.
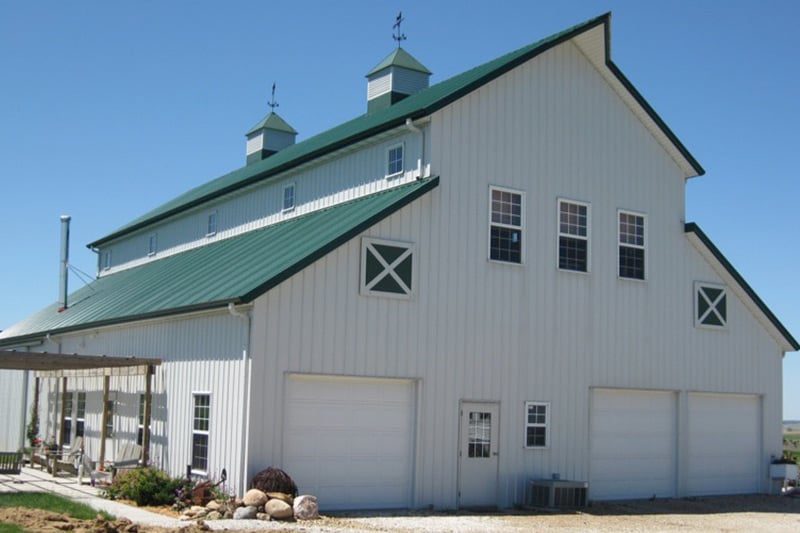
(269, 136)
(398, 76)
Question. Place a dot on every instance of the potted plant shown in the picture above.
(784, 468)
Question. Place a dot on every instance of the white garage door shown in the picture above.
(633, 440)
(350, 441)
(724, 444)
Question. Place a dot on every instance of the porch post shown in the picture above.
(104, 424)
(61, 424)
(148, 401)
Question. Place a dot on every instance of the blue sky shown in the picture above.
(108, 109)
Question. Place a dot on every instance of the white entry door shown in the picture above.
(478, 460)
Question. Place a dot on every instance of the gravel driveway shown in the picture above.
(735, 513)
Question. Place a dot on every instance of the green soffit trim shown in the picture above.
(272, 122)
(235, 270)
(691, 227)
(414, 107)
(399, 58)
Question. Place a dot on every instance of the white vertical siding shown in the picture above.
(203, 353)
(13, 415)
(481, 330)
(321, 185)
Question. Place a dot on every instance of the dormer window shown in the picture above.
(152, 245)
(211, 225)
(394, 165)
(288, 198)
(105, 260)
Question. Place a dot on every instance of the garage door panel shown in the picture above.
(632, 444)
(724, 444)
(350, 440)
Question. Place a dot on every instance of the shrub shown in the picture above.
(145, 486)
(274, 480)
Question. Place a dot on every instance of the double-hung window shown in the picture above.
(632, 237)
(66, 430)
(573, 235)
(537, 425)
(394, 160)
(80, 415)
(211, 224)
(505, 225)
(200, 424)
(109, 419)
(140, 428)
(288, 198)
(152, 244)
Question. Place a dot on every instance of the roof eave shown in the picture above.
(701, 238)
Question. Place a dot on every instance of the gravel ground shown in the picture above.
(735, 513)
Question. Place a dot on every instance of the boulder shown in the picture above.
(214, 515)
(254, 498)
(262, 516)
(288, 498)
(279, 509)
(306, 507)
(245, 513)
(213, 505)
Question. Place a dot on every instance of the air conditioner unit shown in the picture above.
(558, 493)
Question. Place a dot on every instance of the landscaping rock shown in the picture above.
(279, 509)
(214, 515)
(213, 505)
(306, 507)
(288, 498)
(254, 498)
(262, 516)
(245, 513)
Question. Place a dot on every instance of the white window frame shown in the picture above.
(140, 420)
(284, 208)
(643, 247)
(212, 224)
(105, 260)
(69, 419)
(80, 418)
(200, 432)
(587, 237)
(366, 289)
(389, 160)
(110, 407)
(697, 323)
(152, 244)
(546, 425)
(521, 227)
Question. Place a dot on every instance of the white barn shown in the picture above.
(475, 284)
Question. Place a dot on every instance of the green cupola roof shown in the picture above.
(399, 58)
(272, 122)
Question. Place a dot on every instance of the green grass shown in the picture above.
(11, 528)
(50, 502)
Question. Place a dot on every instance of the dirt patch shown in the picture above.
(43, 521)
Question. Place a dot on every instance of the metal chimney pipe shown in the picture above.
(62, 278)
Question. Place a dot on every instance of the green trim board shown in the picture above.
(205, 278)
(694, 229)
(414, 107)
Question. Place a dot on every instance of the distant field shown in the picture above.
(793, 446)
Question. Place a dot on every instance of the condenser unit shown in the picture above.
(558, 493)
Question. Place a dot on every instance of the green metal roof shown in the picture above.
(399, 58)
(694, 229)
(238, 269)
(272, 122)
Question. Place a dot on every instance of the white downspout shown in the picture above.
(246, 374)
(421, 151)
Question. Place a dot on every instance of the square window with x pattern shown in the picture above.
(387, 268)
(711, 305)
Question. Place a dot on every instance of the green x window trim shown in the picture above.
(387, 268)
(711, 305)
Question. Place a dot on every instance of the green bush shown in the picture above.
(145, 486)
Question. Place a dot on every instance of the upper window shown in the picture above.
(394, 164)
(632, 245)
(105, 260)
(710, 305)
(573, 236)
(200, 424)
(288, 197)
(387, 268)
(505, 225)
(537, 425)
(211, 224)
(152, 244)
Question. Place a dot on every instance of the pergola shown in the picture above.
(64, 366)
